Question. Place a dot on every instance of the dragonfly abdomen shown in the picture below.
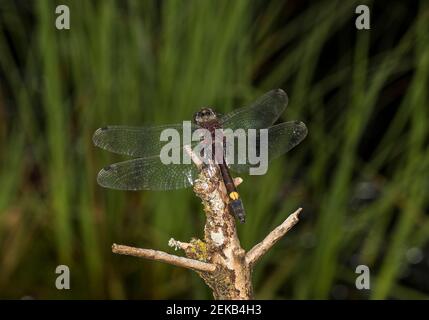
(235, 204)
(237, 208)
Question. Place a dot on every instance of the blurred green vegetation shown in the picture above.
(362, 94)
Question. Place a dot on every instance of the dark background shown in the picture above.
(360, 175)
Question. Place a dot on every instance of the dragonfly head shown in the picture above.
(204, 115)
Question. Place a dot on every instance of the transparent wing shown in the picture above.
(147, 174)
(260, 114)
(281, 138)
(135, 141)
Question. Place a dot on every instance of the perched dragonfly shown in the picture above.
(148, 172)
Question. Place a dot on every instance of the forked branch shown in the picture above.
(219, 259)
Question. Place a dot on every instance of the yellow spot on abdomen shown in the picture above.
(234, 195)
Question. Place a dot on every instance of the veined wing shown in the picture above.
(260, 114)
(147, 174)
(281, 138)
(135, 141)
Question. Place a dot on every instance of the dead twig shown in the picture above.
(262, 247)
(163, 257)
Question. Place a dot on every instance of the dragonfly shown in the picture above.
(148, 172)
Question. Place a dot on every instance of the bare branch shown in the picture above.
(261, 248)
(238, 181)
(195, 158)
(176, 244)
(164, 257)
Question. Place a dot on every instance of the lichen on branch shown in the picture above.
(219, 258)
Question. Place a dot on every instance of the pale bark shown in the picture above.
(219, 259)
